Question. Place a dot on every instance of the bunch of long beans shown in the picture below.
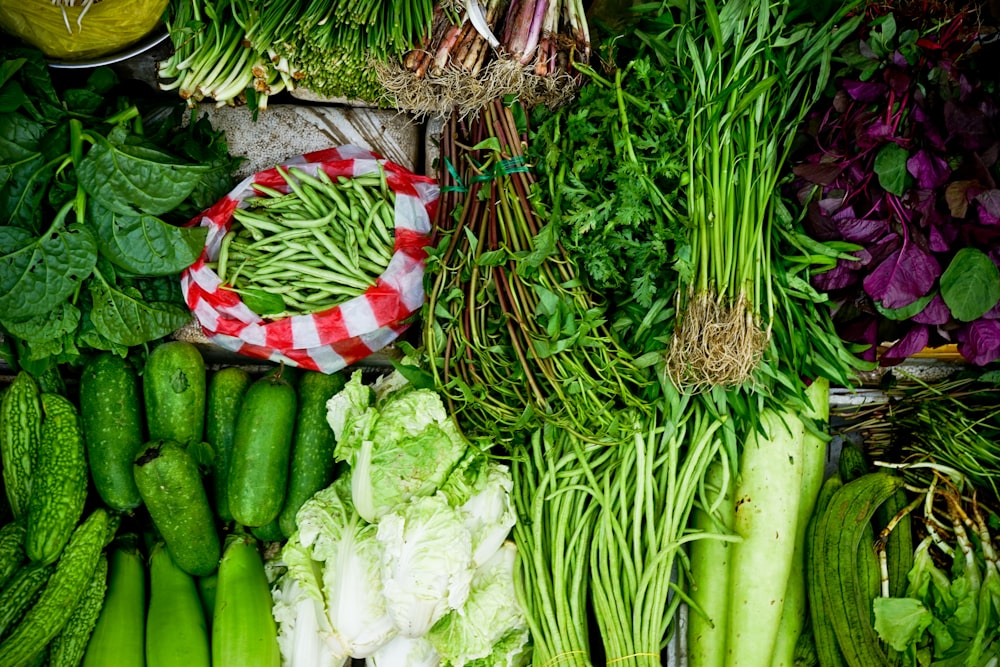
(230, 50)
(309, 246)
(527, 48)
(752, 77)
(514, 338)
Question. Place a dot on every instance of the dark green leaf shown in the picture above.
(20, 137)
(9, 67)
(415, 375)
(123, 317)
(890, 166)
(41, 272)
(83, 101)
(261, 302)
(125, 176)
(144, 244)
(62, 320)
(12, 97)
(970, 285)
(906, 312)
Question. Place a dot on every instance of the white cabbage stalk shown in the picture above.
(336, 552)
(491, 623)
(427, 562)
(405, 652)
(304, 634)
(401, 445)
(489, 515)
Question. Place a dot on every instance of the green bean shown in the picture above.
(323, 221)
(227, 240)
(326, 274)
(297, 189)
(256, 223)
(280, 236)
(271, 192)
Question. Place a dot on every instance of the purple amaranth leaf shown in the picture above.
(935, 313)
(937, 241)
(865, 91)
(968, 126)
(897, 79)
(862, 332)
(989, 212)
(912, 342)
(931, 171)
(823, 173)
(903, 277)
(993, 313)
(979, 341)
(844, 274)
(860, 229)
(874, 133)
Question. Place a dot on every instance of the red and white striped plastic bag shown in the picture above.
(345, 334)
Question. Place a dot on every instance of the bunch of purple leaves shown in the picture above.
(902, 162)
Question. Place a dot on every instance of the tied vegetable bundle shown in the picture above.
(751, 74)
(524, 48)
(514, 338)
(246, 51)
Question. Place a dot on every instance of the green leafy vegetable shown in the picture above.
(970, 285)
(95, 196)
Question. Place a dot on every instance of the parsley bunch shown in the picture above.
(613, 165)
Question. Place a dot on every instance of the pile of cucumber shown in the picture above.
(166, 479)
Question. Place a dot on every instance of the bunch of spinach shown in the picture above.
(903, 160)
(95, 189)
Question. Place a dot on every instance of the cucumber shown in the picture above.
(269, 532)
(19, 593)
(118, 636)
(244, 633)
(312, 466)
(225, 395)
(258, 474)
(111, 414)
(172, 489)
(20, 435)
(68, 647)
(174, 393)
(206, 593)
(59, 482)
(176, 632)
(50, 613)
(11, 549)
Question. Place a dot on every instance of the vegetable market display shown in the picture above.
(663, 237)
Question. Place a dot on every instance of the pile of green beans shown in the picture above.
(320, 244)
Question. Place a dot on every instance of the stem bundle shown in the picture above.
(752, 78)
(514, 338)
(235, 50)
(526, 48)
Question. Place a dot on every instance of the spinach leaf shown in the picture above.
(970, 286)
(47, 335)
(122, 316)
(121, 176)
(39, 273)
(144, 244)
